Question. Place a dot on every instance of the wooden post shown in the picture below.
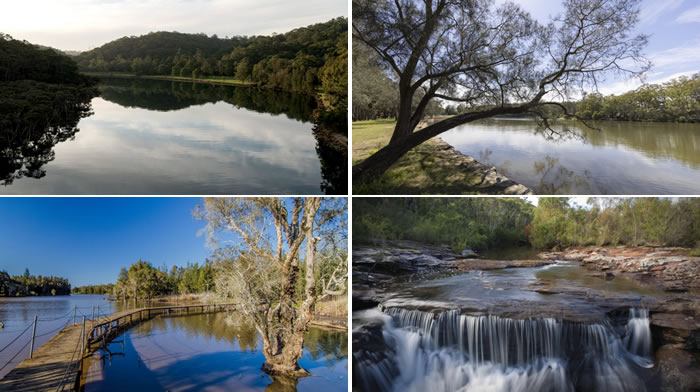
(31, 347)
(93, 313)
(82, 339)
(75, 307)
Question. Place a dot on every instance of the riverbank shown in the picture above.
(434, 167)
(220, 81)
(329, 314)
(671, 269)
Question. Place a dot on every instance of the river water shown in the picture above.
(208, 353)
(623, 158)
(553, 328)
(53, 314)
(166, 137)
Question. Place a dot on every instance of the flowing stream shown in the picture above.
(450, 351)
(558, 327)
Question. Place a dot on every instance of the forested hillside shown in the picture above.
(303, 59)
(25, 285)
(482, 223)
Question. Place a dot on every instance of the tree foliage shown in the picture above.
(495, 60)
(94, 289)
(483, 223)
(143, 280)
(462, 223)
(677, 100)
(616, 221)
(30, 285)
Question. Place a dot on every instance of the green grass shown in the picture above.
(694, 252)
(426, 169)
(207, 79)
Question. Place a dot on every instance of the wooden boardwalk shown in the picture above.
(57, 362)
(47, 367)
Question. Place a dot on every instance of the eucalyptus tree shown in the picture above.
(493, 59)
(270, 242)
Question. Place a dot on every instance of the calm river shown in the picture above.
(624, 158)
(53, 314)
(164, 137)
(207, 353)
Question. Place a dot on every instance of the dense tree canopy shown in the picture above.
(616, 221)
(677, 100)
(94, 289)
(143, 280)
(26, 285)
(494, 59)
(476, 223)
(303, 59)
(483, 223)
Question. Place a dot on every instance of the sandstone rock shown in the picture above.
(680, 372)
(675, 321)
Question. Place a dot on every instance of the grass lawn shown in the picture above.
(207, 79)
(427, 169)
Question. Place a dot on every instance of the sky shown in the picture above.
(88, 240)
(674, 43)
(86, 24)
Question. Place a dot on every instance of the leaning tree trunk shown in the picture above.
(374, 166)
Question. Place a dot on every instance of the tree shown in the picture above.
(243, 70)
(261, 271)
(496, 61)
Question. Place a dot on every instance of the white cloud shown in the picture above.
(81, 24)
(689, 16)
(651, 10)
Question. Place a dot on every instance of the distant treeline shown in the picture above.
(677, 100)
(616, 221)
(30, 285)
(476, 223)
(94, 289)
(142, 280)
(482, 223)
(305, 59)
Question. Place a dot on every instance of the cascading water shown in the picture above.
(449, 351)
(638, 339)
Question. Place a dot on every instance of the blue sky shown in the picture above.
(674, 43)
(86, 24)
(88, 240)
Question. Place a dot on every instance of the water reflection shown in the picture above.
(163, 137)
(30, 127)
(621, 158)
(205, 352)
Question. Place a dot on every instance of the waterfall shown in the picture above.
(448, 351)
(638, 339)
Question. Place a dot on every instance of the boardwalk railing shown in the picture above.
(107, 328)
